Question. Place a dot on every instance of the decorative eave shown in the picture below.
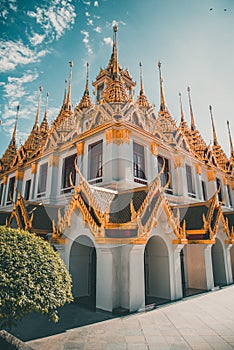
(228, 226)
(99, 220)
(206, 232)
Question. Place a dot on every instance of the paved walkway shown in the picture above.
(202, 322)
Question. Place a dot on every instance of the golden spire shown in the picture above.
(44, 124)
(65, 93)
(87, 78)
(38, 107)
(162, 99)
(11, 151)
(182, 120)
(69, 86)
(141, 80)
(193, 126)
(86, 101)
(115, 54)
(16, 122)
(215, 141)
(230, 140)
(142, 99)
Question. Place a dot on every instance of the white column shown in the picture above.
(208, 267)
(228, 263)
(176, 280)
(104, 284)
(136, 278)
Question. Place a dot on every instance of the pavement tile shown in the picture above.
(135, 339)
(137, 347)
(202, 346)
(156, 346)
(155, 339)
(73, 346)
(116, 346)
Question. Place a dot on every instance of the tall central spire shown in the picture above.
(115, 54)
(181, 109)
(162, 99)
(38, 107)
(141, 80)
(16, 122)
(215, 140)
(87, 78)
(69, 86)
(193, 126)
(230, 140)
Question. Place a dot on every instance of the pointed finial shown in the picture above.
(215, 141)
(65, 92)
(46, 108)
(69, 85)
(141, 80)
(181, 110)
(193, 126)
(16, 122)
(87, 78)
(230, 140)
(115, 53)
(39, 106)
(162, 99)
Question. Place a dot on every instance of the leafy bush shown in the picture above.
(33, 277)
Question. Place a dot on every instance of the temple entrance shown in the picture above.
(232, 261)
(219, 271)
(183, 275)
(83, 271)
(193, 271)
(157, 275)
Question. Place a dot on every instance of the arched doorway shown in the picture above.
(83, 271)
(219, 272)
(232, 260)
(157, 275)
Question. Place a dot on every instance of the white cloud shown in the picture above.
(97, 17)
(88, 3)
(86, 42)
(36, 39)
(108, 41)
(16, 53)
(96, 4)
(98, 29)
(90, 22)
(87, 14)
(55, 19)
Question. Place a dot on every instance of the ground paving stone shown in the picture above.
(201, 323)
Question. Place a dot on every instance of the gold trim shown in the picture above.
(5, 178)
(198, 169)
(118, 136)
(54, 160)
(211, 175)
(178, 161)
(232, 185)
(154, 148)
(196, 232)
(19, 175)
(224, 181)
(34, 168)
(80, 148)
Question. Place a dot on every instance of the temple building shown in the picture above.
(139, 207)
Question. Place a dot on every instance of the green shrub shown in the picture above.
(33, 277)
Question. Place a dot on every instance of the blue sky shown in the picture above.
(194, 43)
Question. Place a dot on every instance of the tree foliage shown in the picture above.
(33, 277)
